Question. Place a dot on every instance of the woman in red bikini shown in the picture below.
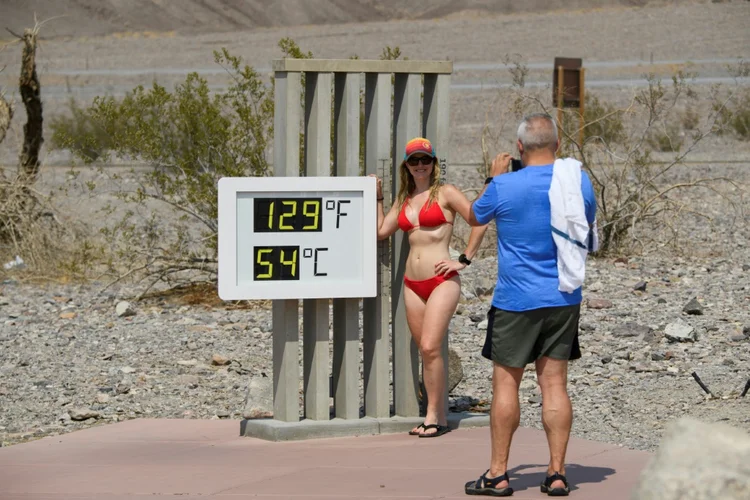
(425, 210)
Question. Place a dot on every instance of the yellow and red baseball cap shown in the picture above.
(419, 145)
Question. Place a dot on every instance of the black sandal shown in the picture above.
(439, 430)
(555, 492)
(416, 432)
(488, 487)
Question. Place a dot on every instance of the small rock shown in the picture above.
(606, 359)
(640, 286)
(455, 370)
(482, 325)
(658, 356)
(259, 398)
(737, 337)
(598, 304)
(693, 307)
(102, 398)
(528, 385)
(651, 336)
(484, 286)
(191, 381)
(79, 414)
(68, 315)
(219, 360)
(661, 301)
(746, 267)
(697, 460)
(680, 332)
(587, 327)
(122, 388)
(630, 329)
(124, 309)
(535, 399)
(127, 369)
(643, 368)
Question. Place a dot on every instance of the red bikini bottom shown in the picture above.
(424, 288)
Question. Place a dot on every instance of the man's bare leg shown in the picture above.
(505, 415)
(557, 412)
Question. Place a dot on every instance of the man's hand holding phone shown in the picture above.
(500, 164)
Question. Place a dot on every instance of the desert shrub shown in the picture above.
(636, 192)
(32, 234)
(79, 132)
(602, 121)
(734, 110)
(666, 138)
(189, 138)
(735, 116)
(186, 140)
(690, 118)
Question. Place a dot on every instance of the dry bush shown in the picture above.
(638, 197)
(32, 237)
(734, 114)
(162, 223)
(51, 248)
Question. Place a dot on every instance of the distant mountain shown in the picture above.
(102, 17)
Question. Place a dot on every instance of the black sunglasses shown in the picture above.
(425, 160)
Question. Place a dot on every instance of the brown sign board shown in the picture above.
(570, 81)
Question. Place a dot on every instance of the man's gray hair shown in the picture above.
(538, 131)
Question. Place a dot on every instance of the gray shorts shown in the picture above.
(517, 338)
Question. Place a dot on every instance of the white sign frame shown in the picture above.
(228, 190)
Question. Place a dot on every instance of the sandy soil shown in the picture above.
(617, 43)
(101, 17)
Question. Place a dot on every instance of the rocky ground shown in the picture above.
(73, 357)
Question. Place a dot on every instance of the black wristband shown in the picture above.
(379, 199)
(463, 260)
(488, 180)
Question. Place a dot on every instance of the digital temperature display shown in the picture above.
(297, 237)
(287, 214)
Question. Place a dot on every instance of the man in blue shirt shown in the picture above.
(530, 320)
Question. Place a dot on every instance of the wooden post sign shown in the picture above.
(567, 89)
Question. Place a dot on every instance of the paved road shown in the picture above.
(473, 84)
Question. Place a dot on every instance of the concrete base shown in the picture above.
(276, 430)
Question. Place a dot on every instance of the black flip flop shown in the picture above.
(488, 487)
(555, 492)
(440, 430)
(416, 432)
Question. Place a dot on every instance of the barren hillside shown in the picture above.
(100, 17)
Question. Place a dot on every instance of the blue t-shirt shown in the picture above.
(527, 275)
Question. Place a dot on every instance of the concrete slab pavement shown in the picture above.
(191, 459)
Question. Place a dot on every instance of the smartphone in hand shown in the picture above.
(515, 165)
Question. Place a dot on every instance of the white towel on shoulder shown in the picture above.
(570, 228)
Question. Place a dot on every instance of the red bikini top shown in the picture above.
(429, 216)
